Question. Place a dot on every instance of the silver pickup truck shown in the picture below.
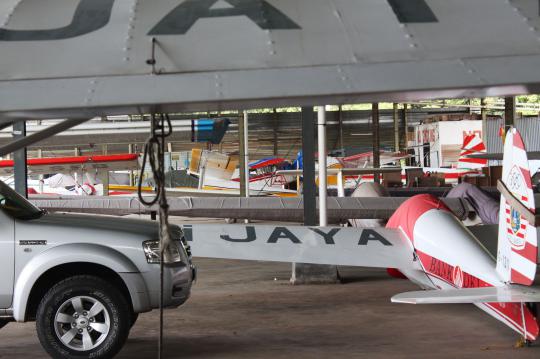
(83, 279)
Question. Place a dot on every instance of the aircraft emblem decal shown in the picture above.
(515, 221)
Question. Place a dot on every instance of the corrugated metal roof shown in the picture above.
(357, 134)
(529, 127)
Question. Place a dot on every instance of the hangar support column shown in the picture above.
(243, 155)
(509, 111)
(303, 273)
(483, 115)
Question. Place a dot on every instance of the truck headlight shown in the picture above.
(151, 251)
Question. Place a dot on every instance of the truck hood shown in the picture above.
(124, 225)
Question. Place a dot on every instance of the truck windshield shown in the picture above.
(16, 205)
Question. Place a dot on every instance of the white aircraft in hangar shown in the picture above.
(86, 58)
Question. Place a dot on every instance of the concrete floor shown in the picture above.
(248, 310)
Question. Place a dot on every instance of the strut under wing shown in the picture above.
(506, 294)
(381, 248)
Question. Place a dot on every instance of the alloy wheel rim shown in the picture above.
(82, 323)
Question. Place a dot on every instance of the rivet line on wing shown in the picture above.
(131, 27)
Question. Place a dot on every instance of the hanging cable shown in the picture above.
(154, 154)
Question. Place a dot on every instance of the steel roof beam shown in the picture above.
(39, 136)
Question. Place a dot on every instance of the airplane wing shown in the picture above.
(121, 190)
(345, 171)
(285, 52)
(367, 157)
(380, 248)
(254, 208)
(506, 294)
(499, 156)
(75, 164)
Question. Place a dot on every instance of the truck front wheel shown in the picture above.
(81, 317)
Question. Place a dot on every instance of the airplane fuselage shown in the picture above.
(448, 256)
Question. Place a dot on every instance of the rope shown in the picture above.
(154, 154)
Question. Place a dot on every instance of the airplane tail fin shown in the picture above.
(517, 253)
(472, 145)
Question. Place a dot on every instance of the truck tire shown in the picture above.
(83, 317)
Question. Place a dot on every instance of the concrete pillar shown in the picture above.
(303, 273)
(20, 160)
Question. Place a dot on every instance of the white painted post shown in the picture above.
(246, 151)
(321, 125)
(340, 184)
(41, 177)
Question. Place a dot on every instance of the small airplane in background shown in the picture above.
(217, 171)
(424, 242)
(76, 175)
(356, 169)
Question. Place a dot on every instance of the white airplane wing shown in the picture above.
(95, 57)
(345, 171)
(256, 208)
(532, 156)
(381, 248)
(507, 294)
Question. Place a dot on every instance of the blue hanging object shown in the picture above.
(299, 161)
(209, 130)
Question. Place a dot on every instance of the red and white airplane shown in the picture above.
(472, 145)
(426, 243)
(357, 169)
(82, 172)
